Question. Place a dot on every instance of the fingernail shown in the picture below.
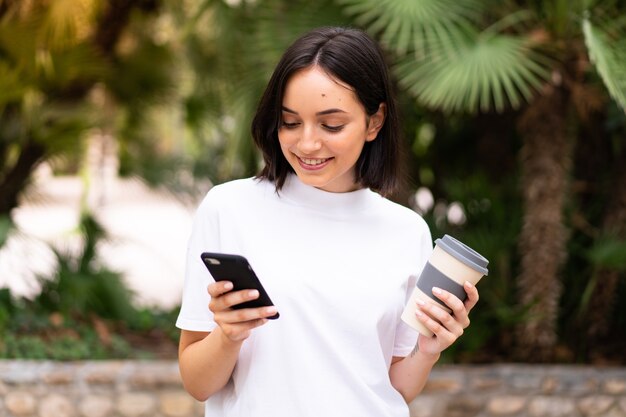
(253, 293)
(271, 310)
(228, 286)
(419, 314)
(468, 284)
(421, 303)
(436, 290)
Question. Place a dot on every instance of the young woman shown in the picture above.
(337, 258)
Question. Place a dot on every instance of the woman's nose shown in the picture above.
(309, 142)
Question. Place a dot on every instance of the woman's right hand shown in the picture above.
(216, 352)
(236, 324)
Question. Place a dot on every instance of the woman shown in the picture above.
(337, 258)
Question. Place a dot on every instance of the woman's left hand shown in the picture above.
(447, 328)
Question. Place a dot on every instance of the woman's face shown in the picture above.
(323, 130)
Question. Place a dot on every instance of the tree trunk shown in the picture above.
(545, 164)
(17, 177)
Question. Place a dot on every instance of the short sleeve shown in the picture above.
(406, 337)
(205, 237)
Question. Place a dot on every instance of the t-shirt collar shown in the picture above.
(302, 194)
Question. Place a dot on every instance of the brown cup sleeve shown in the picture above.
(432, 277)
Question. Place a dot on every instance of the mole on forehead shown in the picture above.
(324, 95)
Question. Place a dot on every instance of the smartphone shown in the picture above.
(236, 269)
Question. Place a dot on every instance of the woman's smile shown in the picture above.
(313, 164)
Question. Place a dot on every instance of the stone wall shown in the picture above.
(151, 388)
(523, 391)
(94, 389)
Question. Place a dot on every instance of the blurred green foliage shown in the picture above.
(32, 331)
(81, 285)
(83, 311)
(609, 252)
(5, 229)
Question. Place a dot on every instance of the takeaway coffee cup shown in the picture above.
(449, 266)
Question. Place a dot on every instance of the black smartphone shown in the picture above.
(236, 269)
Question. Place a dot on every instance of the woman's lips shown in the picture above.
(313, 164)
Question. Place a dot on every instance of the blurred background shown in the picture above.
(117, 116)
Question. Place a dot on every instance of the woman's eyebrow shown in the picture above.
(319, 113)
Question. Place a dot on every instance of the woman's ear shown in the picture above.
(376, 122)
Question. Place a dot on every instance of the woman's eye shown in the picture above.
(290, 125)
(333, 128)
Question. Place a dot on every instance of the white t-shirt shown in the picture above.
(339, 267)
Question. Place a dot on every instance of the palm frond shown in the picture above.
(41, 64)
(11, 85)
(510, 20)
(608, 53)
(407, 25)
(17, 43)
(80, 63)
(68, 22)
(487, 72)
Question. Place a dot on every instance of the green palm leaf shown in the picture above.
(18, 45)
(67, 22)
(486, 72)
(11, 85)
(608, 52)
(405, 25)
(27, 48)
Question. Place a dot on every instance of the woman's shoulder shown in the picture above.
(235, 188)
(235, 191)
(407, 225)
(401, 215)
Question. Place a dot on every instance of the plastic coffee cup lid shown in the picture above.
(463, 253)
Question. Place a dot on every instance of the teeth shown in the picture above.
(314, 161)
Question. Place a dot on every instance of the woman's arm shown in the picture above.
(409, 374)
(207, 360)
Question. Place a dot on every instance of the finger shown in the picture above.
(457, 306)
(242, 330)
(434, 326)
(244, 315)
(219, 288)
(472, 295)
(238, 297)
(228, 300)
(445, 319)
